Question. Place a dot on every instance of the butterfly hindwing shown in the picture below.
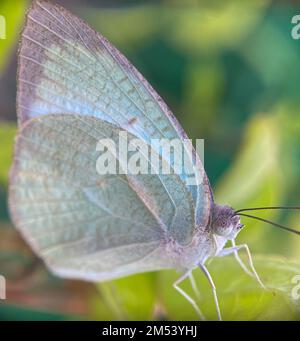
(84, 224)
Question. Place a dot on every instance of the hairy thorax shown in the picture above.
(224, 225)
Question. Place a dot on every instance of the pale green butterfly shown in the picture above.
(74, 87)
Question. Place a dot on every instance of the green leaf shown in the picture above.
(240, 296)
(129, 298)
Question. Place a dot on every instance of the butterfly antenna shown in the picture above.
(269, 222)
(268, 208)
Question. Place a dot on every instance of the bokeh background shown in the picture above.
(230, 71)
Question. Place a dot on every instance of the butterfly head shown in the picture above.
(225, 222)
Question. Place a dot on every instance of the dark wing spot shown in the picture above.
(132, 121)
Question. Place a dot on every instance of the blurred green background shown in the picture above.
(230, 71)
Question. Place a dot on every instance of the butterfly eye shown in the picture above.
(223, 223)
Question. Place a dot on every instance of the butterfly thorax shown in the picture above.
(224, 225)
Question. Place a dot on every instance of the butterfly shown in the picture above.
(75, 88)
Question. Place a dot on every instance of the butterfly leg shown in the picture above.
(185, 295)
(239, 260)
(234, 250)
(212, 284)
(193, 284)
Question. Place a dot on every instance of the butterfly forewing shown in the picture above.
(66, 67)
